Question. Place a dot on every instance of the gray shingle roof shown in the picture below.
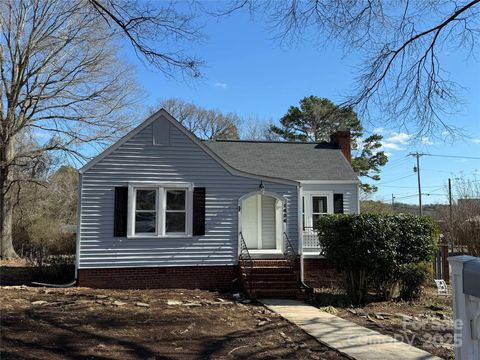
(287, 160)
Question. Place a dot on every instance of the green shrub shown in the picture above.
(40, 239)
(372, 249)
(412, 279)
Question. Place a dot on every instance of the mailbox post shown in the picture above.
(466, 306)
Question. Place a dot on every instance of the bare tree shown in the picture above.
(61, 82)
(402, 72)
(44, 215)
(462, 225)
(206, 124)
(63, 85)
(255, 128)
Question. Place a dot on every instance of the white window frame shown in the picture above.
(135, 211)
(161, 188)
(164, 230)
(308, 196)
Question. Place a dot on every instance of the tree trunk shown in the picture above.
(6, 205)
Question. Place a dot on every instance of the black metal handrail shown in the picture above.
(289, 251)
(246, 261)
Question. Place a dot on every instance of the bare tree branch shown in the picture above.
(402, 74)
(149, 29)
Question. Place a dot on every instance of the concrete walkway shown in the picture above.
(349, 338)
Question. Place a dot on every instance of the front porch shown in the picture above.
(269, 261)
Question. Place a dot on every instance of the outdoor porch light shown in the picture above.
(262, 187)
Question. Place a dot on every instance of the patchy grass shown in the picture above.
(426, 323)
(72, 323)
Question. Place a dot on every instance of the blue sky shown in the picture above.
(249, 73)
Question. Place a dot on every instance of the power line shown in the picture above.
(390, 181)
(454, 156)
(397, 163)
(403, 158)
(412, 187)
(414, 195)
(440, 171)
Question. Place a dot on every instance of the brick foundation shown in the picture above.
(319, 273)
(186, 277)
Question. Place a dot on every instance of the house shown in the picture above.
(160, 208)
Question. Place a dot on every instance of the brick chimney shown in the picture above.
(343, 141)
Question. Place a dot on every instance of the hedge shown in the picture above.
(374, 250)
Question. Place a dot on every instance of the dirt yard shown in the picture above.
(40, 323)
(426, 324)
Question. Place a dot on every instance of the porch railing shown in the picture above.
(310, 240)
(246, 263)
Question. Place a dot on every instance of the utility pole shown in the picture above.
(450, 210)
(450, 199)
(417, 170)
(393, 201)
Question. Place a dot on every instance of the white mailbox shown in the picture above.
(466, 306)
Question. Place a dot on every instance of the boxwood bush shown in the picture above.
(374, 250)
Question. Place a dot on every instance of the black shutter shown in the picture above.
(120, 215)
(338, 203)
(199, 211)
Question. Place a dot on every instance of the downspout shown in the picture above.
(300, 239)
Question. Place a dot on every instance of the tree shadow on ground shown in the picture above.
(51, 333)
(25, 275)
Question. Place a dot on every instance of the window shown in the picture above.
(314, 205)
(145, 211)
(175, 211)
(157, 210)
(319, 207)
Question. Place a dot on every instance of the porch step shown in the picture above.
(271, 262)
(269, 270)
(273, 276)
(277, 278)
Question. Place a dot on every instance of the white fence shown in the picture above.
(466, 306)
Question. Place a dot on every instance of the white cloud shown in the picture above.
(399, 138)
(426, 141)
(476, 141)
(392, 146)
(379, 130)
(396, 141)
(220, 85)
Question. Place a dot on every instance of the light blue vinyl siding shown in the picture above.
(185, 161)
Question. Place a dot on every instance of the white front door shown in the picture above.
(261, 222)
